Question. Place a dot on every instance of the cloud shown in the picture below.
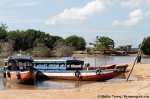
(78, 14)
(135, 3)
(135, 17)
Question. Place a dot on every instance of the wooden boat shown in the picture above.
(71, 70)
(19, 69)
(122, 68)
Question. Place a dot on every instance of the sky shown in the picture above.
(125, 21)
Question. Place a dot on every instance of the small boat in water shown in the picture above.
(19, 69)
(71, 70)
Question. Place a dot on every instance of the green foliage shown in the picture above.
(103, 43)
(145, 47)
(3, 32)
(24, 40)
(117, 49)
(17, 39)
(77, 42)
(38, 43)
(50, 40)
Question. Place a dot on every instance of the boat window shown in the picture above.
(12, 65)
(24, 65)
(41, 64)
(49, 64)
(72, 65)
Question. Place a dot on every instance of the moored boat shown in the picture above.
(122, 68)
(19, 69)
(71, 70)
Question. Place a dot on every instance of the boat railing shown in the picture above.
(54, 67)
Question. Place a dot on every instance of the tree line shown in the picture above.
(41, 44)
(38, 43)
(104, 43)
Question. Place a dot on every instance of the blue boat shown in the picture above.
(70, 70)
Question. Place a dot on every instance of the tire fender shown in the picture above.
(78, 73)
(98, 72)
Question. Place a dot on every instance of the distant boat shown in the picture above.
(71, 70)
(19, 69)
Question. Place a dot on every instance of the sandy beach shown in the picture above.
(138, 89)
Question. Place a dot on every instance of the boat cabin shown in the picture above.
(18, 63)
(58, 64)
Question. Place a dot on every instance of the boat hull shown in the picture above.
(83, 75)
(23, 77)
(121, 68)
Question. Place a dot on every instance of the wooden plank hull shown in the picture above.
(23, 77)
(83, 76)
(121, 67)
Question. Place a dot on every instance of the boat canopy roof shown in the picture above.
(67, 62)
(75, 62)
(22, 57)
(49, 61)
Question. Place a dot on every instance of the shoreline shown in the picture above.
(84, 55)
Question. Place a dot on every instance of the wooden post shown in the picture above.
(139, 52)
(105, 59)
(95, 59)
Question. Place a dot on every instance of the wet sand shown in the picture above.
(139, 89)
